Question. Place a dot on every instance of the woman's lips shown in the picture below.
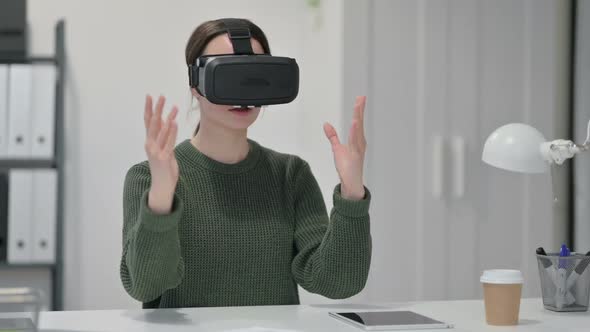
(241, 110)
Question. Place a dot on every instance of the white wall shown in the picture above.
(458, 69)
(120, 50)
(581, 118)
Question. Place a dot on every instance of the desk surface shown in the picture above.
(465, 315)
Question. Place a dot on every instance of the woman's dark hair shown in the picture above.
(208, 30)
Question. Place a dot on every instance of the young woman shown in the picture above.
(220, 220)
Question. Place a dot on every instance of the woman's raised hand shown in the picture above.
(349, 158)
(159, 147)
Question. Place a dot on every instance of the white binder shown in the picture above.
(19, 111)
(43, 111)
(44, 206)
(3, 110)
(20, 189)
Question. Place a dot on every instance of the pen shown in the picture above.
(561, 299)
(561, 279)
(563, 252)
(551, 273)
(541, 251)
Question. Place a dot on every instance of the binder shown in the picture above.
(44, 215)
(19, 111)
(43, 111)
(3, 110)
(20, 187)
(3, 215)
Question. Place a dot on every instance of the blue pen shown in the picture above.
(561, 279)
(557, 279)
(564, 252)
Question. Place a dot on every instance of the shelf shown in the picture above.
(57, 162)
(29, 60)
(27, 163)
(4, 265)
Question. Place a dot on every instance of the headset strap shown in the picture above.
(239, 34)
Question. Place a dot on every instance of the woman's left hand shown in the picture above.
(349, 158)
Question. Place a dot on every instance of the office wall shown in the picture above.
(120, 50)
(444, 75)
(581, 116)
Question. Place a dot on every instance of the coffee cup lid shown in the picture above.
(502, 277)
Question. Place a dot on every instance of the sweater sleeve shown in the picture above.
(151, 262)
(332, 254)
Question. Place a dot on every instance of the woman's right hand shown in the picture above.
(159, 146)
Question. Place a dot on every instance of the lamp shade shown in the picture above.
(516, 147)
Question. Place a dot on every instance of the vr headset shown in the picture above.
(244, 79)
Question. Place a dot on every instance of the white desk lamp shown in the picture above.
(519, 147)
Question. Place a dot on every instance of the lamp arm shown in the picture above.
(586, 144)
(560, 150)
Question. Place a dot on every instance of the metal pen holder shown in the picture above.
(19, 309)
(565, 282)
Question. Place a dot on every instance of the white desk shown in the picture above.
(465, 315)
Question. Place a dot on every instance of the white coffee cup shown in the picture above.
(502, 292)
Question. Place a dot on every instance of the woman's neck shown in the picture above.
(221, 144)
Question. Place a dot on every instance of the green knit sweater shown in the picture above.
(242, 234)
